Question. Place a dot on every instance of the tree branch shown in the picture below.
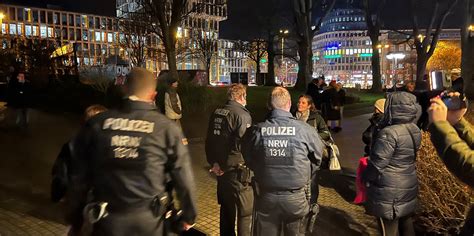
(439, 27)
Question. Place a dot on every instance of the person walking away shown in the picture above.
(280, 151)
(122, 159)
(333, 103)
(453, 138)
(306, 112)
(390, 176)
(375, 123)
(60, 172)
(227, 126)
(19, 98)
(173, 108)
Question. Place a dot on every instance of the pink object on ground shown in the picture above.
(361, 190)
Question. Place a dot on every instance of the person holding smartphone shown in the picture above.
(453, 138)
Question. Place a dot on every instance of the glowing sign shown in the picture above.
(365, 55)
(332, 56)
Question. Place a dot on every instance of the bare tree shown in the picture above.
(205, 49)
(255, 50)
(165, 16)
(306, 29)
(373, 10)
(269, 22)
(426, 44)
(136, 32)
(467, 63)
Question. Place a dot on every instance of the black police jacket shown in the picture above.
(280, 151)
(227, 126)
(125, 155)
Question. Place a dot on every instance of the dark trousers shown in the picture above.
(141, 222)
(281, 213)
(236, 201)
(22, 117)
(402, 226)
(314, 187)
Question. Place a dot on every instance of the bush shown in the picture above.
(444, 199)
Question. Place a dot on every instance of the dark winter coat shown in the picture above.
(317, 121)
(368, 133)
(19, 94)
(332, 101)
(391, 175)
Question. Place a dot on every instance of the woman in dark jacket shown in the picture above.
(374, 125)
(307, 112)
(333, 101)
(390, 177)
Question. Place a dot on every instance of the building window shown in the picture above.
(20, 12)
(71, 34)
(78, 20)
(78, 35)
(50, 32)
(43, 31)
(84, 35)
(20, 29)
(64, 19)
(97, 22)
(13, 29)
(35, 16)
(110, 37)
(102, 23)
(56, 17)
(97, 36)
(71, 19)
(42, 16)
(50, 17)
(28, 30)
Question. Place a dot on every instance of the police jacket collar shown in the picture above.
(280, 113)
(234, 103)
(139, 105)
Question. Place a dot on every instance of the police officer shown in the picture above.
(121, 160)
(280, 151)
(227, 126)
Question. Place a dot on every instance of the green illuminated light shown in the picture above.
(365, 54)
(332, 56)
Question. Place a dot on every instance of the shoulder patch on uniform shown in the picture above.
(184, 141)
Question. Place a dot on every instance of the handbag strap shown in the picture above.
(413, 141)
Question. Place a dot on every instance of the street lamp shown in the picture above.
(471, 30)
(283, 32)
(395, 57)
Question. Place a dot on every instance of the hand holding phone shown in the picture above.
(453, 101)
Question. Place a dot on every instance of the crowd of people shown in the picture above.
(330, 100)
(119, 172)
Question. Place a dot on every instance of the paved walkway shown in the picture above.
(26, 158)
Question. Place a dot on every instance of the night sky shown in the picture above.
(243, 14)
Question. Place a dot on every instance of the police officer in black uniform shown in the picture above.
(121, 161)
(227, 126)
(280, 151)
